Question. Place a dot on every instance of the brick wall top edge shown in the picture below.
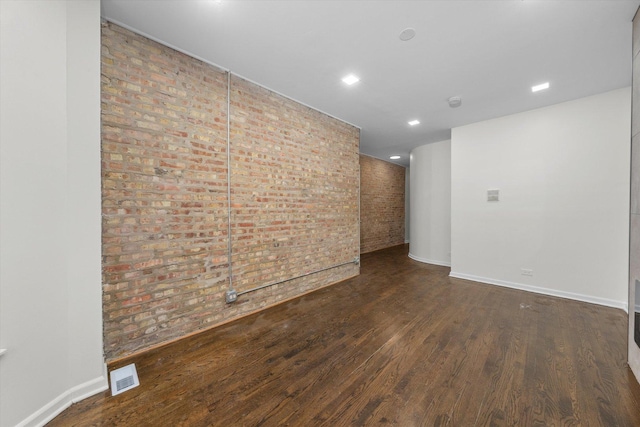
(242, 82)
(390, 164)
(131, 33)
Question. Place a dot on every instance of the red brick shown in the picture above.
(294, 178)
(382, 216)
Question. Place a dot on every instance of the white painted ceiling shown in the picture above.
(488, 52)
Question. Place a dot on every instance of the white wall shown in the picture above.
(50, 280)
(563, 175)
(634, 231)
(407, 205)
(430, 209)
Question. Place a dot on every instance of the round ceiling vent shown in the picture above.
(407, 34)
(455, 101)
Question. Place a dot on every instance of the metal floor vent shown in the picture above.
(123, 379)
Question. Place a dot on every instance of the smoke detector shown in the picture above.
(455, 101)
(407, 34)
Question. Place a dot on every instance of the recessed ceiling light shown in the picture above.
(542, 86)
(407, 34)
(394, 157)
(351, 79)
(414, 122)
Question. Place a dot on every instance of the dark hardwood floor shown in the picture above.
(402, 344)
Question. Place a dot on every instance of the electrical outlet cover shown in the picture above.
(231, 296)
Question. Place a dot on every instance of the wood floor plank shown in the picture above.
(403, 344)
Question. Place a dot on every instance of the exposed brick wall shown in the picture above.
(295, 187)
(294, 194)
(381, 204)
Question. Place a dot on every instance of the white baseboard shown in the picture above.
(430, 261)
(545, 291)
(66, 399)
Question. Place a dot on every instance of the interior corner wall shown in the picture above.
(51, 300)
(407, 204)
(634, 238)
(430, 196)
(563, 178)
(293, 190)
(382, 204)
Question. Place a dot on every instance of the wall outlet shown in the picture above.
(526, 272)
(231, 296)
